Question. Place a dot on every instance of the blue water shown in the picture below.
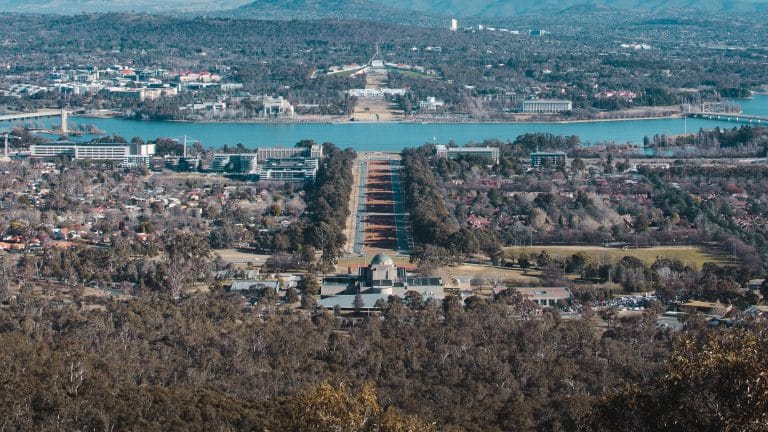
(396, 136)
(757, 105)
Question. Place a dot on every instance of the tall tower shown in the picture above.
(454, 24)
(64, 127)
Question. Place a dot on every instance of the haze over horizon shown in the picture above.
(458, 8)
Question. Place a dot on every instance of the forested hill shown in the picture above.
(506, 8)
(149, 6)
(340, 9)
(379, 10)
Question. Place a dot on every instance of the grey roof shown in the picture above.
(245, 285)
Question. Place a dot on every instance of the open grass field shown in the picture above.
(485, 272)
(693, 256)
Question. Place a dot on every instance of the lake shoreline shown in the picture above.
(396, 135)
(340, 121)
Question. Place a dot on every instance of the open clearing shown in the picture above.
(478, 271)
(233, 256)
(694, 256)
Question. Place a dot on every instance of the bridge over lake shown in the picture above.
(30, 115)
(731, 117)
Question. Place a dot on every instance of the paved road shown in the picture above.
(31, 115)
(362, 191)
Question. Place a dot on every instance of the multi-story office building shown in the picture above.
(265, 153)
(289, 170)
(92, 151)
(491, 153)
(238, 163)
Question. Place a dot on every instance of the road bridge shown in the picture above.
(731, 117)
(31, 115)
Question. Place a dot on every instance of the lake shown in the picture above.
(396, 136)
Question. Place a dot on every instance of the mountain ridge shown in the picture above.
(508, 8)
(406, 11)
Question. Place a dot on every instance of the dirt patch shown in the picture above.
(233, 256)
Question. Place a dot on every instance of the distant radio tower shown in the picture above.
(454, 24)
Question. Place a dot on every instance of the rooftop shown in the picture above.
(382, 259)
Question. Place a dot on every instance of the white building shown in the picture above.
(548, 297)
(546, 106)
(276, 107)
(454, 24)
(130, 154)
(366, 93)
(431, 104)
(205, 106)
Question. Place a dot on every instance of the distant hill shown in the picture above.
(507, 8)
(379, 10)
(340, 9)
(150, 6)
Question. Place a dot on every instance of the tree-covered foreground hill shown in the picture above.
(205, 363)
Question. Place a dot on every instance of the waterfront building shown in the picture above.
(205, 106)
(491, 153)
(276, 107)
(546, 106)
(550, 159)
(431, 104)
(265, 153)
